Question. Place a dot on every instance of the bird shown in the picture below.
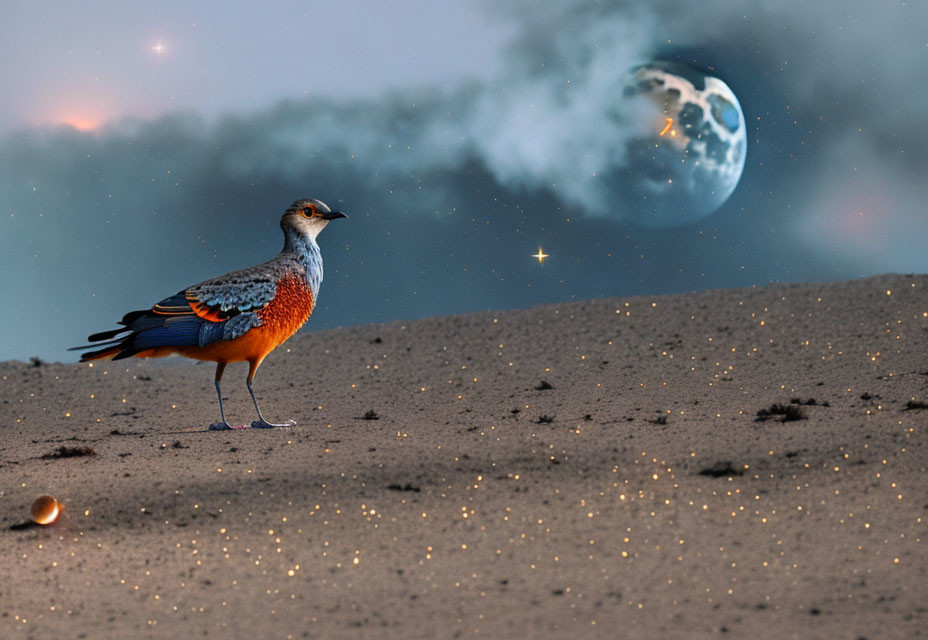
(238, 317)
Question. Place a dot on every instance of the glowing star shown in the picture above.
(158, 48)
(541, 256)
(46, 509)
(667, 128)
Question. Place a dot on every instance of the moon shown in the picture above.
(689, 149)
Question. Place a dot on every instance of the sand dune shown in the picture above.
(595, 468)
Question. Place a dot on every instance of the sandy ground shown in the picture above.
(478, 502)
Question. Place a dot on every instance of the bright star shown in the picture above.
(541, 256)
(158, 48)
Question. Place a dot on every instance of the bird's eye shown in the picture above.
(308, 212)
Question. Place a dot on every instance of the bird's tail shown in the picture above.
(100, 354)
(109, 348)
(145, 330)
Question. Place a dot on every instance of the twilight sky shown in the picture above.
(144, 148)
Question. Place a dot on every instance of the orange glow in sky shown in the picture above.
(75, 112)
(81, 123)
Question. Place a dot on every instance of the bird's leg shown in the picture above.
(261, 423)
(221, 426)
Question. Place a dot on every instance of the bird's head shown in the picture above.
(308, 217)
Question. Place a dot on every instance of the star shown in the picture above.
(540, 255)
(158, 48)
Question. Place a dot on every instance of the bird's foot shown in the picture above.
(263, 424)
(225, 426)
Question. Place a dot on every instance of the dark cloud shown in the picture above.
(450, 192)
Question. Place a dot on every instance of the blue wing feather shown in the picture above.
(228, 329)
(175, 332)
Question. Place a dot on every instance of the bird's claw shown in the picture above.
(263, 424)
(225, 426)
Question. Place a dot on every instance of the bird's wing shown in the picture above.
(222, 308)
(232, 294)
(184, 319)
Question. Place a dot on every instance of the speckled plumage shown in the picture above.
(246, 291)
(239, 316)
(253, 288)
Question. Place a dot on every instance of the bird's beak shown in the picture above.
(332, 215)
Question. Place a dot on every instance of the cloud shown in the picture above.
(870, 214)
(556, 118)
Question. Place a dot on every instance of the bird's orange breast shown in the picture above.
(280, 319)
(289, 310)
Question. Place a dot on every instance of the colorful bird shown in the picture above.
(239, 317)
